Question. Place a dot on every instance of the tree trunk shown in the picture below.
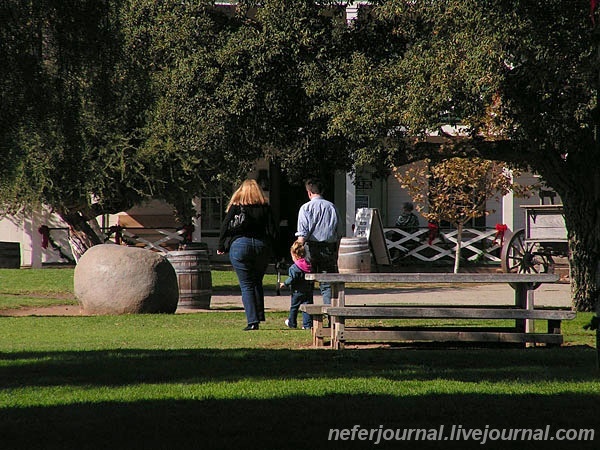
(585, 276)
(585, 281)
(577, 180)
(581, 218)
(459, 230)
(81, 234)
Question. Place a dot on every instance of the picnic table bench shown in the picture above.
(523, 312)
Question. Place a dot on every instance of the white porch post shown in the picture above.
(352, 11)
(508, 210)
(350, 204)
(351, 15)
(197, 219)
(31, 243)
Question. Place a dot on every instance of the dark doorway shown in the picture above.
(286, 199)
(291, 197)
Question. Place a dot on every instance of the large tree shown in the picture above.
(107, 103)
(521, 79)
(277, 69)
(71, 105)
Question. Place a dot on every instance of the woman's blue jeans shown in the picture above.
(250, 258)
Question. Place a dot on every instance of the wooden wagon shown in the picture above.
(532, 249)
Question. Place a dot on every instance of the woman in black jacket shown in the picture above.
(251, 232)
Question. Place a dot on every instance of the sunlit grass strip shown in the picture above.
(22, 288)
(152, 332)
(277, 389)
(189, 331)
(34, 301)
(47, 281)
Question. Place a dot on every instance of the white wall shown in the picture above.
(24, 229)
(505, 211)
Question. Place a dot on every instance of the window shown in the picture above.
(212, 209)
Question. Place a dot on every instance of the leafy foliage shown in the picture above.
(456, 190)
(71, 133)
(137, 99)
(281, 65)
(521, 81)
(187, 137)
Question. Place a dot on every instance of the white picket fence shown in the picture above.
(477, 245)
(154, 238)
(161, 240)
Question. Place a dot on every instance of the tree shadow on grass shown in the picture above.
(297, 420)
(125, 366)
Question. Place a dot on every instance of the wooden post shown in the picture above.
(521, 302)
(530, 324)
(337, 324)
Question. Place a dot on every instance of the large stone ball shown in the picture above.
(114, 279)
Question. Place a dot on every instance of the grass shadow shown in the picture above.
(256, 409)
(122, 367)
(293, 422)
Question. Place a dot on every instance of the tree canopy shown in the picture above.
(456, 190)
(279, 68)
(71, 106)
(520, 80)
(107, 102)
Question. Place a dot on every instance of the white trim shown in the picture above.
(350, 204)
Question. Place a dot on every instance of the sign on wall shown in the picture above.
(369, 225)
(361, 201)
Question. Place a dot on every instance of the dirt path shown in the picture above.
(547, 295)
(58, 310)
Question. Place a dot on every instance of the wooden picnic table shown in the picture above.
(523, 312)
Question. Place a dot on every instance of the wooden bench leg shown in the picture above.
(554, 326)
(317, 330)
(521, 301)
(337, 332)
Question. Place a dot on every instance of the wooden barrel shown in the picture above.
(193, 276)
(10, 255)
(354, 255)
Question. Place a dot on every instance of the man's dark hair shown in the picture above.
(315, 186)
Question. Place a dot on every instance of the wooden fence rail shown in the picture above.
(478, 245)
(481, 245)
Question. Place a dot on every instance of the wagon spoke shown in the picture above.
(519, 256)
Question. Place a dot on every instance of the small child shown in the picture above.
(302, 290)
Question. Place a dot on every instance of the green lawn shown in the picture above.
(196, 381)
(20, 288)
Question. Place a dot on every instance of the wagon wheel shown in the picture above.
(519, 256)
